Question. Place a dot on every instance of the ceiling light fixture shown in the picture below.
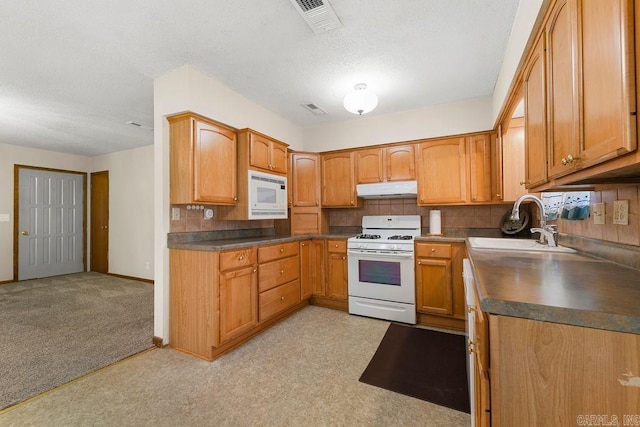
(360, 100)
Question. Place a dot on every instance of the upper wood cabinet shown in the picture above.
(563, 123)
(513, 160)
(442, 171)
(305, 179)
(203, 156)
(395, 163)
(338, 180)
(264, 152)
(580, 103)
(535, 127)
(607, 82)
(479, 153)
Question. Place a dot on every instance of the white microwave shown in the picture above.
(267, 195)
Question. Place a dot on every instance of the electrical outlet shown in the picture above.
(621, 212)
(598, 213)
(175, 214)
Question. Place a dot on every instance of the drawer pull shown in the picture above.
(281, 271)
(241, 258)
(255, 270)
(344, 257)
(281, 298)
(281, 250)
(470, 346)
(470, 309)
(433, 250)
(336, 246)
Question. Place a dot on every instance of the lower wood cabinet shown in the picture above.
(279, 283)
(439, 285)
(311, 268)
(238, 302)
(337, 270)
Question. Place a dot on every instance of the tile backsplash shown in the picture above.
(194, 220)
(626, 234)
(453, 217)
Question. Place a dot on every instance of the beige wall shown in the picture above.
(131, 203)
(472, 115)
(130, 210)
(627, 234)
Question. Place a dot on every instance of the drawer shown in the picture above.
(278, 299)
(269, 253)
(230, 260)
(277, 272)
(339, 246)
(433, 250)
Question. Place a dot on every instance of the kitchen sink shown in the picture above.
(505, 244)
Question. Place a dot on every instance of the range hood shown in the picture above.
(388, 190)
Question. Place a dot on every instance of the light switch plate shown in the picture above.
(598, 213)
(175, 214)
(621, 212)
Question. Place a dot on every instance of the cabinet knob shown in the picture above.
(281, 271)
(470, 346)
(344, 257)
(433, 250)
(564, 161)
(281, 250)
(524, 182)
(499, 196)
(240, 258)
(336, 246)
(235, 199)
(571, 159)
(303, 244)
(281, 298)
(419, 262)
(474, 199)
(255, 270)
(470, 309)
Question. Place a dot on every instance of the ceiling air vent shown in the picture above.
(318, 14)
(314, 109)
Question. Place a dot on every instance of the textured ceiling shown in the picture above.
(73, 72)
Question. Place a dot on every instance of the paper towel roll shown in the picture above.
(435, 219)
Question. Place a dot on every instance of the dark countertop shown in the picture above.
(574, 289)
(444, 239)
(239, 243)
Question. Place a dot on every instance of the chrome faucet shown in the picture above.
(548, 233)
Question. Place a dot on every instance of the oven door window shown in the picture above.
(379, 272)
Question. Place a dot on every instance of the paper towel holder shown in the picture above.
(432, 216)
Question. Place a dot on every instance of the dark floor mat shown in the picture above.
(422, 363)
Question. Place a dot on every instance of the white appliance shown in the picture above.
(381, 273)
(267, 195)
(388, 190)
(470, 297)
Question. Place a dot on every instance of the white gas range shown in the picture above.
(381, 275)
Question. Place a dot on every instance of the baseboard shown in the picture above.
(157, 341)
(441, 322)
(5, 282)
(138, 279)
(335, 304)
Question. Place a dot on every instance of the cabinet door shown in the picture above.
(479, 152)
(317, 270)
(535, 101)
(278, 157)
(369, 165)
(337, 277)
(305, 185)
(563, 121)
(607, 79)
(442, 174)
(513, 160)
(238, 302)
(400, 163)
(306, 281)
(338, 180)
(497, 174)
(214, 159)
(434, 286)
(259, 152)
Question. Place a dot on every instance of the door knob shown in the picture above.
(24, 232)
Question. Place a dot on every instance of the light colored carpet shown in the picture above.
(59, 328)
(303, 371)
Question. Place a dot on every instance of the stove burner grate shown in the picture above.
(368, 236)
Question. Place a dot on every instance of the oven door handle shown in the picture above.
(405, 255)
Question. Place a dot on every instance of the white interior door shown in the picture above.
(50, 224)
